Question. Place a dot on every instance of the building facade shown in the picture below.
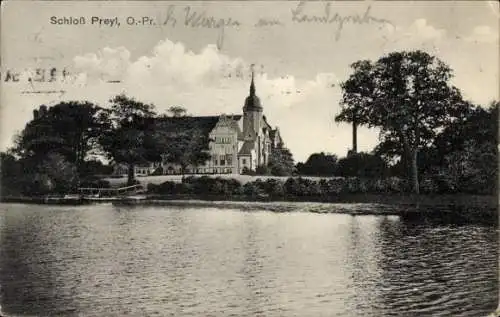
(238, 143)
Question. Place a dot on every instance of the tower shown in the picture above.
(252, 114)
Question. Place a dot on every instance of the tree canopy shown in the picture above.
(70, 129)
(182, 141)
(408, 96)
(318, 164)
(131, 136)
(362, 165)
(177, 111)
(281, 162)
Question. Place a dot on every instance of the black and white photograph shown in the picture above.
(249, 158)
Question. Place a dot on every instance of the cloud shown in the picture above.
(170, 63)
(483, 34)
(423, 31)
(108, 64)
(202, 82)
(418, 35)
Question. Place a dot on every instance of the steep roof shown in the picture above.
(268, 126)
(235, 126)
(204, 123)
(246, 148)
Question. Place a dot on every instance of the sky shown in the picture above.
(174, 58)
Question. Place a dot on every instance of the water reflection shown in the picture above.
(102, 260)
(444, 270)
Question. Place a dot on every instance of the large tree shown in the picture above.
(183, 141)
(131, 137)
(358, 89)
(408, 96)
(281, 162)
(70, 129)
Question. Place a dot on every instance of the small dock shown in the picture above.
(85, 195)
(101, 193)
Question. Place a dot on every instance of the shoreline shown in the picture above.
(489, 201)
(442, 208)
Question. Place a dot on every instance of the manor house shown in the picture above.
(238, 142)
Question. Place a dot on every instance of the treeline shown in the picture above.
(51, 175)
(431, 139)
(292, 188)
(463, 157)
(56, 151)
(429, 134)
(424, 121)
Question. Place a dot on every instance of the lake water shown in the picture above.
(180, 261)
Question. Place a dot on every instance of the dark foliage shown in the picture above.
(362, 165)
(70, 129)
(281, 162)
(318, 164)
(409, 96)
(131, 136)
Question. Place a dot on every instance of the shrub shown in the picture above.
(247, 171)
(396, 185)
(262, 170)
(352, 184)
(336, 186)
(234, 186)
(165, 188)
(214, 186)
(302, 187)
(378, 186)
(250, 189)
(94, 182)
(274, 187)
(428, 186)
(183, 188)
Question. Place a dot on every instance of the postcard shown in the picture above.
(249, 158)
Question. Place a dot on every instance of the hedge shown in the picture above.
(295, 187)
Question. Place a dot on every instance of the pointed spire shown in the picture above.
(252, 85)
(252, 102)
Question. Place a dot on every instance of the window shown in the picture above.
(222, 160)
(244, 161)
(229, 159)
(214, 160)
(222, 140)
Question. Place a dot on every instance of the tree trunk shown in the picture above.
(354, 137)
(131, 175)
(414, 172)
(410, 162)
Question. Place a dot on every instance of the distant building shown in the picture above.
(238, 142)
